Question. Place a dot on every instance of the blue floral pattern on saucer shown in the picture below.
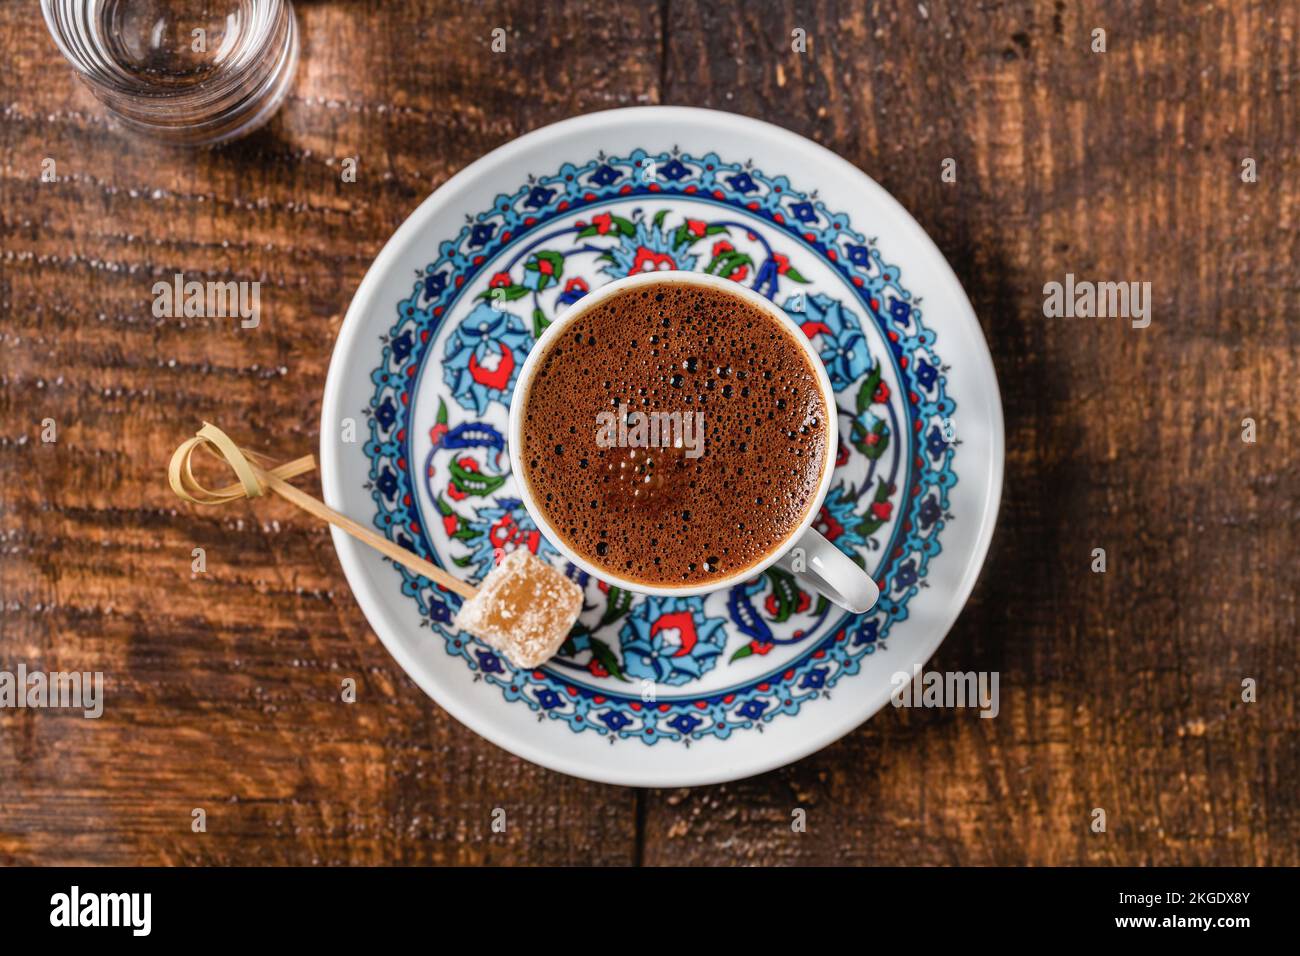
(643, 668)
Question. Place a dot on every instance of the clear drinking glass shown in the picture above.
(190, 72)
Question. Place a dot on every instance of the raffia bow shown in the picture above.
(256, 475)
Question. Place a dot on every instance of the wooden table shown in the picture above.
(1120, 690)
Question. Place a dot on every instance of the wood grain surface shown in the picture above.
(1119, 690)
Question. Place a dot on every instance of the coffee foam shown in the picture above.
(655, 515)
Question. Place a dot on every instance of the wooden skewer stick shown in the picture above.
(255, 478)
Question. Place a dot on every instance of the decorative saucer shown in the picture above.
(663, 691)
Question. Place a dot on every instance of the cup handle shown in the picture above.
(828, 571)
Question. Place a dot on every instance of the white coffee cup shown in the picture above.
(805, 553)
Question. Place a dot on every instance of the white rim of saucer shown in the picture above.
(376, 606)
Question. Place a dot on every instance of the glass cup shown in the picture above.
(187, 72)
(805, 553)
